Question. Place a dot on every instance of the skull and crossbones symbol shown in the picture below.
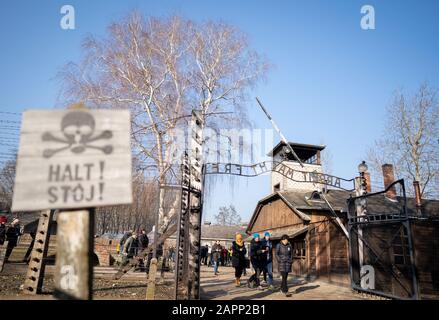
(78, 128)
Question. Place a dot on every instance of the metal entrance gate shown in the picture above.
(193, 171)
(381, 246)
(187, 273)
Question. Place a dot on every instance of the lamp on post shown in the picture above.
(361, 206)
(362, 167)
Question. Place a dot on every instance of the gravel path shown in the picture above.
(132, 286)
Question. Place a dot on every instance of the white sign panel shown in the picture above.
(75, 158)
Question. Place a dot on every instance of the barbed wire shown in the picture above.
(4, 126)
(8, 144)
(9, 168)
(11, 113)
(9, 121)
(10, 133)
(10, 127)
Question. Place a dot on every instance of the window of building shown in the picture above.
(276, 187)
(315, 196)
(299, 249)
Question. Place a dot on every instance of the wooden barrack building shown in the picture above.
(321, 246)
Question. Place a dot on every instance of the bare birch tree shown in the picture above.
(227, 216)
(138, 215)
(161, 69)
(411, 140)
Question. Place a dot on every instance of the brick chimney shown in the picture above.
(389, 178)
(368, 183)
(418, 201)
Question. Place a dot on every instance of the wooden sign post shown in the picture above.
(73, 159)
(74, 255)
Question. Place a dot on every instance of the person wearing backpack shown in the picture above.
(123, 240)
(257, 258)
(130, 248)
(268, 261)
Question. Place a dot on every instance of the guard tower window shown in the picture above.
(315, 196)
(308, 154)
(311, 160)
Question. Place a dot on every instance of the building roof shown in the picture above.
(272, 197)
(301, 201)
(220, 232)
(302, 150)
(275, 196)
(381, 204)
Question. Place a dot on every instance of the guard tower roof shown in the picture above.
(303, 151)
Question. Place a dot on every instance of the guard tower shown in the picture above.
(308, 154)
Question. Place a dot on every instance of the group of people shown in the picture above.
(261, 253)
(216, 253)
(10, 234)
(261, 258)
(131, 244)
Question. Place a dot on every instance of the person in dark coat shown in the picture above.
(3, 221)
(224, 257)
(257, 257)
(143, 240)
(284, 255)
(268, 261)
(143, 243)
(12, 235)
(203, 253)
(216, 256)
(238, 258)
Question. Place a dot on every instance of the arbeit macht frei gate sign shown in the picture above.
(281, 168)
(74, 158)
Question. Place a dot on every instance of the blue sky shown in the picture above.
(330, 81)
